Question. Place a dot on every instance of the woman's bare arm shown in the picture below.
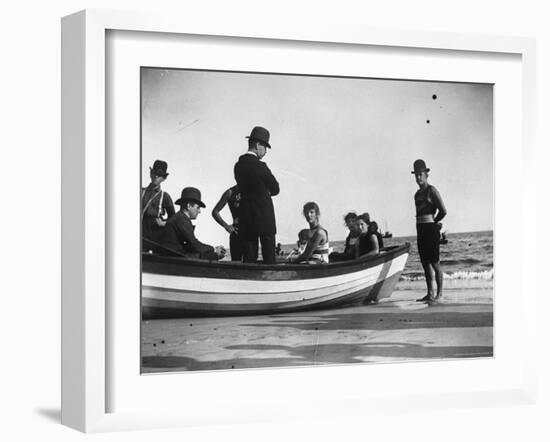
(438, 202)
(219, 207)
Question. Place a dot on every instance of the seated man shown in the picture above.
(317, 247)
(349, 249)
(178, 235)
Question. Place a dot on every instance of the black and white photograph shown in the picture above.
(302, 220)
(271, 222)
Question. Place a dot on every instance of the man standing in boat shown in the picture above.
(430, 210)
(179, 234)
(232, 198)
(257, 185)
(156, 204)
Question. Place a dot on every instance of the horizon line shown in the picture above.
(414, 234)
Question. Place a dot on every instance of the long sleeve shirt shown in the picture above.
(154, 204)
(179, 235)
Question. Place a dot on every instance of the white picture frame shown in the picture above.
(86, 315)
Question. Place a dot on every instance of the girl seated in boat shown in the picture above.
(317, 247)
(303, 238)
(349, 247)
(369, 242)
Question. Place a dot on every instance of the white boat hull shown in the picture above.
(181, 295)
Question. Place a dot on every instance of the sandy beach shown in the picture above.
(396, 329)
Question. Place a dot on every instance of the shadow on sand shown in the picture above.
(381, 321)
(315, 355)
(338, 352)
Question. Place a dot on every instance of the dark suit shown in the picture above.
(152, 208)
(257, 216)
(179, 235)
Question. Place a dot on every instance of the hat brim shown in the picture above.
(261, 141)
(179, 202)
(420, 170)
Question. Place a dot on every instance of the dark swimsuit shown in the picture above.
(365, 245)
(427, 233)
(235, 246)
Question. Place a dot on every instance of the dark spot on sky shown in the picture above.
(163, 341)
(434, 97)
(428, 121)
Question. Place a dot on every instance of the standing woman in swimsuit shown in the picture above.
(430, 210)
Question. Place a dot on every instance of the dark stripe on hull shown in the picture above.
(153, 309)
(164, 265)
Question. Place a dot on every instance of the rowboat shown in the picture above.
(181, 287)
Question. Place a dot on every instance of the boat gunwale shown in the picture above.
(390, 253)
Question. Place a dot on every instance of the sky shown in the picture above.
(346, 143)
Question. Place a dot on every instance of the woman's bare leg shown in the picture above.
(438, 279)
(429, 276)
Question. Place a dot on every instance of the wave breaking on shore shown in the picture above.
(487, 275)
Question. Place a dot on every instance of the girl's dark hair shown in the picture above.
(311, 205)
(373, 227)
(365, 217)
(303, 235)
(350, 216)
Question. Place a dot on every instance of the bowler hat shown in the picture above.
(159, 168)
(420, 166)
(260, 134)
(190, 194)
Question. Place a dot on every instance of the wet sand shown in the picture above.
(396, 329)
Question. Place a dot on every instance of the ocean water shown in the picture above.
(466, 256)
(466, 261)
